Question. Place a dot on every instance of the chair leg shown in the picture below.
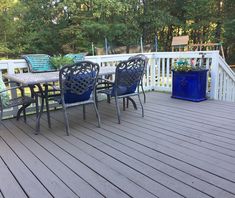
(96, 100)
(127, 103)
(84, 111)
(118, 110)
(1, 116)
(124, 104)
(45, 97)
(132, 101)
(141, 105)
(142, 87)
(108, 98)
(19, 112)
(48, 112)
(36, 106)
(24, 114)
(39, 116)
(66, 121)
(37, 112)
(97, 114)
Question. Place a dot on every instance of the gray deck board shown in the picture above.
(181, 135)
(179, 149)
(75, 166)
(121, 162)
(9, 186)
(1, 195)
(177, 146)
(134, 158)
(31, 185)
(118, 133)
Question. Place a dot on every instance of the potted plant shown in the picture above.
(189, 80)
(60, 61)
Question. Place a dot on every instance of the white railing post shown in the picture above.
(214, 76)
(153, 73)
(11, 70)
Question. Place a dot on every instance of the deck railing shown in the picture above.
(224, 81)
(221, 79)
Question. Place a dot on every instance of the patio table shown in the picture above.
(46, 77)
(36, 79)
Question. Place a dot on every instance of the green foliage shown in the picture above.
(60, 61)
(186, 65)
(182, 65)
(61, 27)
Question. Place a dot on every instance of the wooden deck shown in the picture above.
(179, 149)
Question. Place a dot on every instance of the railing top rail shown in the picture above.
(20, 63)
(157, 54)
(226, 68)
(189, 54)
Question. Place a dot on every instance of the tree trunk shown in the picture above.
(219, 23)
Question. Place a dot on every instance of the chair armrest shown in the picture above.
(54, 87)
(12, 81)
(12, 88)
(104, 84)
(104, 80)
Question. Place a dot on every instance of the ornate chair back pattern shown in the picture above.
(145, 70)
(128, 76)
(143, 57)
(38, 62)
(78, 81)
(76, 57)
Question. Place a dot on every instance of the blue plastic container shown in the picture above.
(189, 85)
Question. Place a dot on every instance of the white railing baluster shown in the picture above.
(158, 72)
(214, 76)
(167, 72)
(163, 73)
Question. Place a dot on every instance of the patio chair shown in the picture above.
(78, 87)
(128, 76)
(145, 72)
(6, 102)
(39, 63)
(76, 57)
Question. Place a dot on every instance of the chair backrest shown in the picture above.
(38, 63)
(76, 57)
(143, 57)
(128, 76)
(78, 81)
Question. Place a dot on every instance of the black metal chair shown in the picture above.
(145, 71)
(128, 77)
(7, 102)
(78, 87)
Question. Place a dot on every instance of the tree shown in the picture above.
(70, 26)
(229, 30)
(7, 26)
